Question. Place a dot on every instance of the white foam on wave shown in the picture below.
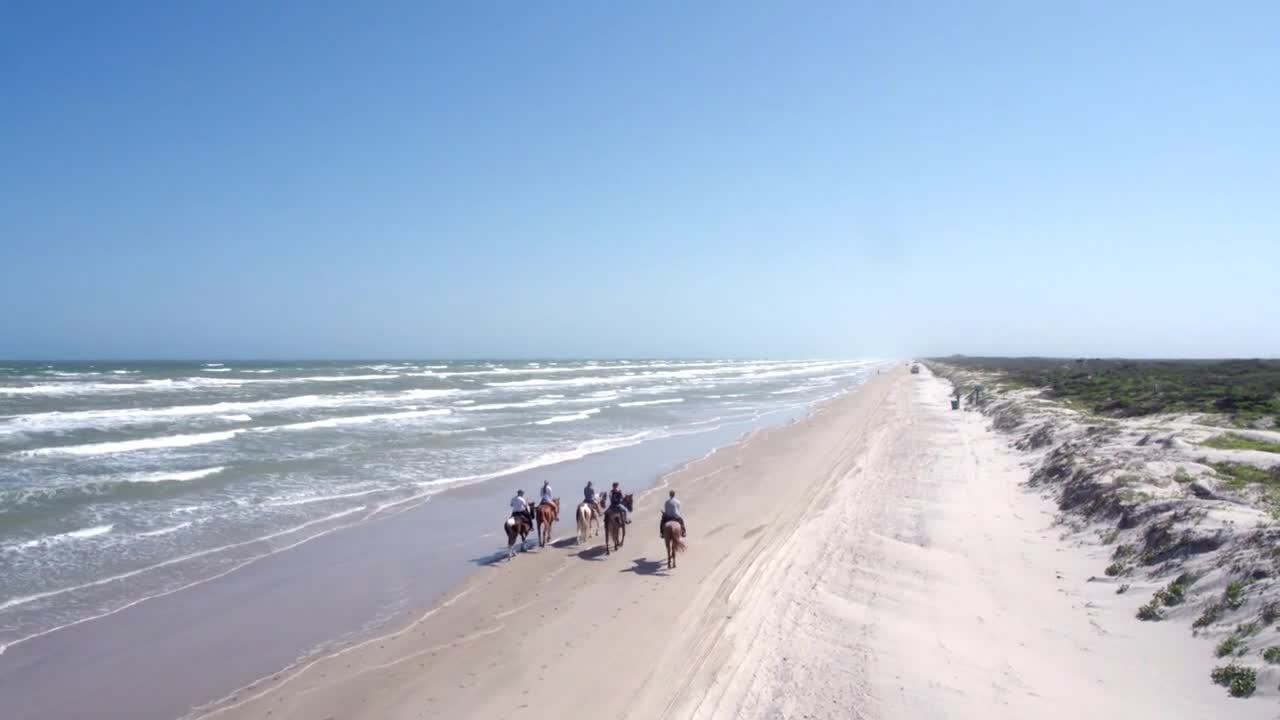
(83, 388)
(81, 534)
(173, 476)
(790, 391)
(540, 402)
(362, 419)
(568, 418)
(107, 448)
(290, 501)
(67, 420)
(641, 403)
(236, 418)
(216, 369)
(166, 530)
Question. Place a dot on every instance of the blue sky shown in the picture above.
(242, 179)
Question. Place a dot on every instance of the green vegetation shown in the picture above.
(1124, 588)
(1115, 569)
(1210, 615)
(1272, 654)
(1233, 596)
(1151, 611)
(1182, 476)
(1233, 441)
(1243, 390)
(1239, 680)
(1239, 475)
(1176, 592)
(1227, 647)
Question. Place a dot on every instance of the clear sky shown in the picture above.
(288, 179)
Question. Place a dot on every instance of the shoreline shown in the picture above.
(388, 578)
(463, 588)
(881, 553)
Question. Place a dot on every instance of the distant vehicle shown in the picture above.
(915, 369)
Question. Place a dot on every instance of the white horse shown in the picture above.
(589, 519)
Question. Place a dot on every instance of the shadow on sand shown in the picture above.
(593, 553)
(644, 566)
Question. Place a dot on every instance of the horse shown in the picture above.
(515, 526)
(615, 525)
(673, 536)
(546, 514)
(589, 517)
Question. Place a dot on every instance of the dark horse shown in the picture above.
(516, 527)
(615, 524)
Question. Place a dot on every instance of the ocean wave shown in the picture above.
(236, 418)
(156, 443)
(172, 475)
(292, 501)
(81, 388)
(540, 402)
(167, 530)
(47, 540)
(57, 421)
(641, 403)
(568, 418)
(362, 419)
(790, 391)
(216, 369)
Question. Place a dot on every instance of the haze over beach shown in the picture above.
(946, 328)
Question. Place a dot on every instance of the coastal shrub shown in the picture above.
(1241, 390)
(1210, 615)
(1239, 680)
(1176, 592)
(1182, 476)
(1272, 654)
(1124, 588)
(1234, 441)
(1115, 568)
(1227, 647)
(1239, 475)
(1151, 611)
(1233, 596)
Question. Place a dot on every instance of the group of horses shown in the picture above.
(590, 517)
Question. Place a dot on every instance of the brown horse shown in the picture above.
(615, 525)
(673, 536)
(546, 514)
(516, 527)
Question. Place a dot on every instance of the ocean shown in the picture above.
(122, 482)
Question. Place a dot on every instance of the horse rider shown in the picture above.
(589, 497)
(546, 499)
(520, 508)
(615, 501)
(671, 511)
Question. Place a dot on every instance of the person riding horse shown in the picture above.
(520, 508)
(615, 503)
(546, 499)
(671, 511)
(589, 497)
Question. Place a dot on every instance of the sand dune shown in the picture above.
(878, 559)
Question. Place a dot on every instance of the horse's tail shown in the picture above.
(677, 540)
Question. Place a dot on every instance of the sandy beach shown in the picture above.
(880, 558)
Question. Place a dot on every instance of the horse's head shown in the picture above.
(556, 502)
(628, 501)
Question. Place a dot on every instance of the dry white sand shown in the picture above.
(878, 559)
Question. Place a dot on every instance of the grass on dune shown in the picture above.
(1232, 441)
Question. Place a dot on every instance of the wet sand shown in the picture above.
(160, 658)
(878, 559)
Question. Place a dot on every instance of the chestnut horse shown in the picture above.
(546, 514)
(673, 536)
(589, 517)
(615, 525)
(514, 527)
